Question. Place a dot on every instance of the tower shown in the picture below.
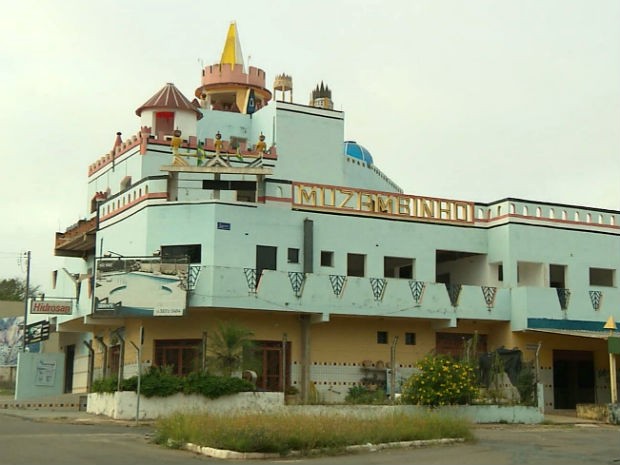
(322, 97)
(225, 86)
(284, 84)
(168, 110)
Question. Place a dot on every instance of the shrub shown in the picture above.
(440, 381)
(363, 395)
(108, 384)
(214, 386)
(160, 382)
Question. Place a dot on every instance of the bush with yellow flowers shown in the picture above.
(441, 380)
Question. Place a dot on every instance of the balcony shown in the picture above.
(78, 240)
(347, 295)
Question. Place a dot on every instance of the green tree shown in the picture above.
(230, 348)
(14, 289)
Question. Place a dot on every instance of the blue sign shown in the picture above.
(223, 226)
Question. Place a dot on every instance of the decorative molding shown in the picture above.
(563, 297)
(378, 286)
(454, 292)
(297, 279)
(489, 294)
(596, 297)
(417, 290)
(250, 277)
(192, 278)
(338, 282)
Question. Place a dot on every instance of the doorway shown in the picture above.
(271, 373)
(573, 378)
(69, 359)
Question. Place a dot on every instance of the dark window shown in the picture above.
(192, 252)
(398, 267)
(356, 265)
(557, 276)
(601, 277)
(266, 259)
(181, 355)
(293, 255)
(410, 339)
(327, 258)
(382, 337)
(500, 272)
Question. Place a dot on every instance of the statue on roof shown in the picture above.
(218, 144)
(261, 146)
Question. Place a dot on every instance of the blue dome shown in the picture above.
(355, 150)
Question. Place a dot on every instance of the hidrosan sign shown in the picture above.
(51, 307)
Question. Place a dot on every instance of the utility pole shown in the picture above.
(26, 295)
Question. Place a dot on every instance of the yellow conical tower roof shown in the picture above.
(232, 47)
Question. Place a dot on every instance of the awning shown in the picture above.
(574, 332)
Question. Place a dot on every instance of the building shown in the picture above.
(235, 207)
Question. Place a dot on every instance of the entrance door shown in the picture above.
(573, 378)
(271, 373)
(69, 359)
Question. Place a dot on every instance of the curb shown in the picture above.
(231, 454)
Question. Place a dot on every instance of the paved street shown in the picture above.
(72, 438)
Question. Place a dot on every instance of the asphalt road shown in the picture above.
(53, 441)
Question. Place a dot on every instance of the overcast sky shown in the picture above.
(473, 99)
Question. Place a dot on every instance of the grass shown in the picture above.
(282, 433)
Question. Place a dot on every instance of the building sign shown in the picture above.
(37, 332)
(46, 373)
(223, 226)
(351, 201)
(141, 287)
(51, 307)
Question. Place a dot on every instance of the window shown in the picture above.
(179, 252)
(602, 277)
(327, 258)
(557, 276)
(398, 267)
(382, 337)
(356, 265)
(500, 272)
(293, 255)
(182, 355)
(409, 339)
(164, 122)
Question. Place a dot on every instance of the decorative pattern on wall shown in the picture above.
(417, 290)
(378, 287)
(338, 281)
(454, 292)
(595, 298)
(250, 277)
(563, 297)
(297, 279)
(489, 294)
(192, 278)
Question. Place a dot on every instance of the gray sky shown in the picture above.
(472, 99)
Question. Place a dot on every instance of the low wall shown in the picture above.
(122, 406)
(609, 413)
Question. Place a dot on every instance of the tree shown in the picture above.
(13, 289)
(230, 348)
